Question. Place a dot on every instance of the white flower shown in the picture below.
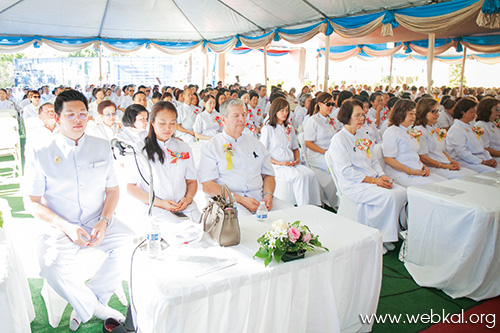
(280, 224)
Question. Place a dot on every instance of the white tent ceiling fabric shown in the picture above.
(174, 20)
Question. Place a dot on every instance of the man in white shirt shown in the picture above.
(262, 97)
(240, 161)
(46, 95)
(71, 185)
(186, 118)
(5, 104)
(40, 129)
(127, 99)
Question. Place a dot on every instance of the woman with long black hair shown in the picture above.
(174, 174)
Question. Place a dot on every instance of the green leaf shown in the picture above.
(268, 259)
(262, 253)
(278, 253)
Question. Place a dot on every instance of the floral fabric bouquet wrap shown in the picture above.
(285, 238)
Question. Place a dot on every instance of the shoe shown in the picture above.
(74, 321)
(390, 246)
(111, 325)
(104, 312)
(384, 250)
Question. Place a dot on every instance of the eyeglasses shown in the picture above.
(109, 115)
(37, 97)
(435, 111)
(72, 116)
(329, 104)
(359, 115)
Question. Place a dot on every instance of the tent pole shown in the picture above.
(317, 70)
(327, 63)
(100, 64)
(461, 92)
(190, 73)
(265, 66)
(205, 69)
(222, 67)
(430, 60)
(302, 66)
(390, 72)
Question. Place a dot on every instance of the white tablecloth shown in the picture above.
(16, 308)
(453, 241)
(325, 292)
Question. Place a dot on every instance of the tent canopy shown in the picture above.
(175, 26)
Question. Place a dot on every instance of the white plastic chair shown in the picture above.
(10, 151)
(302, 148)
(347, 207)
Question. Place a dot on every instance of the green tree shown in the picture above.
(455, 71)
(85, 53)
(7, 68)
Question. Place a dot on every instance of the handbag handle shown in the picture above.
(225, 192)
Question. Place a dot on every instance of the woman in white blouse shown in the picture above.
(464, 142)
(174, 174)
(488, 112)
(278, 136)
(108, 128)
(401, 143)
(208, 123)
(135, 123)
(98, 94)
(360, 177)
(318, 132)
(432, 142)
(301, 110)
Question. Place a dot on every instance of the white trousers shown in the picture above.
(481, 168)
(304, 182)
(59, 265)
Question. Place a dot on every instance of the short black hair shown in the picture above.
(131, 112)
(345, 94)
(69, 96)
(138, 93)
(346, 109)
(253, 94)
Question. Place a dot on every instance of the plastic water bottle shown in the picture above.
(262, 212)
(154, 239)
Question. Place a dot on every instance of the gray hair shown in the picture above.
(303, 98)
(224, 108)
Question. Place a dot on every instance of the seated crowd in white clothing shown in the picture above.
(253, 144)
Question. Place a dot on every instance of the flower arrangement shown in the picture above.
(415, 133)
(368, 121)
(479, 131)
(364, 145)
(218, 121)
(330, 121)
(288, 131)
(250, 117)
(251, 127)
(228, 149)
(285, 238)
(177, 156)
(441, 132)
(496, 122)
(196, 111)
(259, 112)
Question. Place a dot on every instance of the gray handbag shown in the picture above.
(220, 219)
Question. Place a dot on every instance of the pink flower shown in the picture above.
(293, 234)
(306, 238)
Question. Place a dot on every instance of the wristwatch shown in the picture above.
(105, 219)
